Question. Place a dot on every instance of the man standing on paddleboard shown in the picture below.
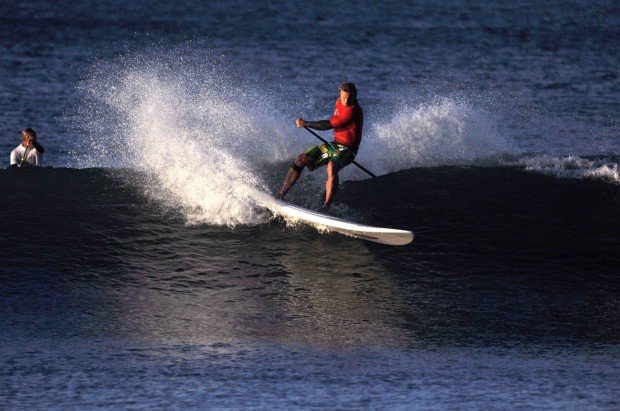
(347, 122)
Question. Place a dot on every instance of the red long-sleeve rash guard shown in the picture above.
(347, 123)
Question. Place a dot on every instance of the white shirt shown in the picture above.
(33, 157)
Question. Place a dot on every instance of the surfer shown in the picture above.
(347, 122)
(29, 152)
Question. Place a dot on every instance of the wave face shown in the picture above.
(486, 215)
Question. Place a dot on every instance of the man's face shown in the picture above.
(344, 98)
(28, 141)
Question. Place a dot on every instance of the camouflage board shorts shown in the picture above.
(322, 154)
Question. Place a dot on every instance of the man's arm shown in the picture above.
(318, 125)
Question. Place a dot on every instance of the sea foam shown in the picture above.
(573, 167)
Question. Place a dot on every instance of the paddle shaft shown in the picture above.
(354, 162)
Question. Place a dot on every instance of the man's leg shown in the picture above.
(331, 185)
(293, 174)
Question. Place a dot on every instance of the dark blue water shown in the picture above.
(141, 268)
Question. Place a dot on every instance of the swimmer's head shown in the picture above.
(29, 135)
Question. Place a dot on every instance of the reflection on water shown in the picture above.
(318, 289)
(337, 294)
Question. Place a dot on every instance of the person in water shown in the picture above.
(347, 122)
(29, 153)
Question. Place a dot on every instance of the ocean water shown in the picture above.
(141, 267)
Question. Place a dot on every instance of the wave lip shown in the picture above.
(573, 167)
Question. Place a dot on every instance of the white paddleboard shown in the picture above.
(322, 222)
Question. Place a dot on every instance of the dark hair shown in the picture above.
(29, 132)
(349, 88)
